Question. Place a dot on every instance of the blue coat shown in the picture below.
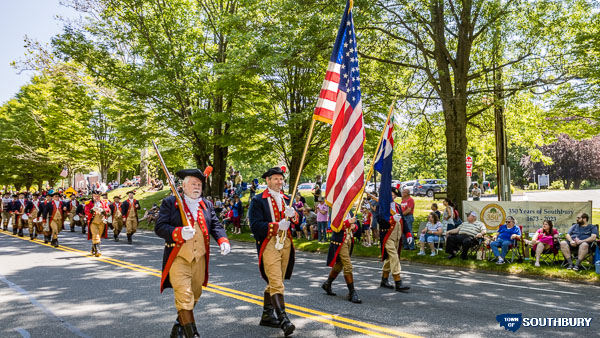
(169, 223)
(259, 213)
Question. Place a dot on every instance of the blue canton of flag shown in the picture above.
(383, 164)
(347, 57)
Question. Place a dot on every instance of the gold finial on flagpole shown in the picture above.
(351, 5)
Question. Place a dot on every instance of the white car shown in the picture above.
(408, 185)
(306, 186)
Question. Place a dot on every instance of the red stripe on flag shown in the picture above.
(354, 190)
(333, 77)
(328, 95)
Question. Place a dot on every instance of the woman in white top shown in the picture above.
(448, 216)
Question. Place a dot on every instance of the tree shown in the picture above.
(447, 45)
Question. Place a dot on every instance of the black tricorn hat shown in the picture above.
(15, 195)
(55, 194)
(131, 191)
(117, 196)
(183, 173)
(274, 171)
(36, 194)
(396, 191)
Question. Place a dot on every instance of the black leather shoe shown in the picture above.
(385, 283)
(353, 297)
(190, 330)
(177, 330)
(401, 288)
(284, 322)
(327, 287)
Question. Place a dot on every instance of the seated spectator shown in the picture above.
(434, 208)
(430, 234)
(228, 217)
(507, 233)
(310, 222)
(580, 238)
(543, 240)
(465, 235)
(151, 215)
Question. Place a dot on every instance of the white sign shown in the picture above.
(543, 181)
(529, 214)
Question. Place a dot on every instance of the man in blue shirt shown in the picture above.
(505, 237)
(580, 238)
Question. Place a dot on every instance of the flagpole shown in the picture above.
(368, 178)
(310, 132)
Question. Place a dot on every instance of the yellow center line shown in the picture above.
(315, 315)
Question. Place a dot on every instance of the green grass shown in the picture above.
(146, 198)
(422, 208)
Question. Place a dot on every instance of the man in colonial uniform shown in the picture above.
(338, 257)
(33, 210)
(53, 217)
(391, 239)
(187, 247)
(72, 205)
(18, 208)
(46, 231)
(79, 218)
(6, 210)
(267, 213)
(117, 217)
(130, 217)
(97, 212)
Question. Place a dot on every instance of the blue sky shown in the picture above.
(34, 18)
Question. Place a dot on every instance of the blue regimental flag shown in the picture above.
(383, 164)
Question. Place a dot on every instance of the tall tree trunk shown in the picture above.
(103, 173)
(144, 167)
(119, 176)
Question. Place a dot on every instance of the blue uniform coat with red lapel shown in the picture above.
(50, 210)
(169, 223)
(337, 238)
(125, 208)
(260, 222)
(90, 216)
(386, 226)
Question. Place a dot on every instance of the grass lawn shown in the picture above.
(146, 199)
(422, 208)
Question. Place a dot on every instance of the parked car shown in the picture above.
(428, 187)
(408, 185)
(306, 187)
(371, 187)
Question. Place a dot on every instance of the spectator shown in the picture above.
(374, 226)
(238, 211)
(366, 227)
(317, 192)
(507, 233)
(430, 234)
(299, 206)
(434, 208)
(448, 218)
(543, 240)
(476, 192)
(228, 217)
(253, 188)
(302, 199)
(310, 222)
(218, 207)
(322, 218)
(580, 238)
(238, 183)
(464, 235)
(408, 208)
(151, 215)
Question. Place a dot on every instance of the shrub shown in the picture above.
(585, 184)
(512, 189)
(557, 185)
(532, 186)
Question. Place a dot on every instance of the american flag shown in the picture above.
(340, 104)
(64, 172)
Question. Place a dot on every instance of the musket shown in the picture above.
(184, 218)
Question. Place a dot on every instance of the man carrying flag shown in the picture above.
(389, 216)
(340, 104)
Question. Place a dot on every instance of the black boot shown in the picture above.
(31, 235)
(55, 243)
(14, 230)
(98, 253)
(129, 238)
(20, 232)
(327, 286)
(401, 288)
(72, 228)
(190, 330)
(177, 330)
(46, 239)
(352, 295)
(268, 315)
(82, 229)
(94, 250)
(385, 283)
(284, 322)
(116, 237)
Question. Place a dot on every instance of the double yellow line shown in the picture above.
(319, 316)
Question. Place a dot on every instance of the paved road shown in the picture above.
(48, 292)
(558, 195)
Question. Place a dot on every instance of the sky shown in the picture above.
(36, 19)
